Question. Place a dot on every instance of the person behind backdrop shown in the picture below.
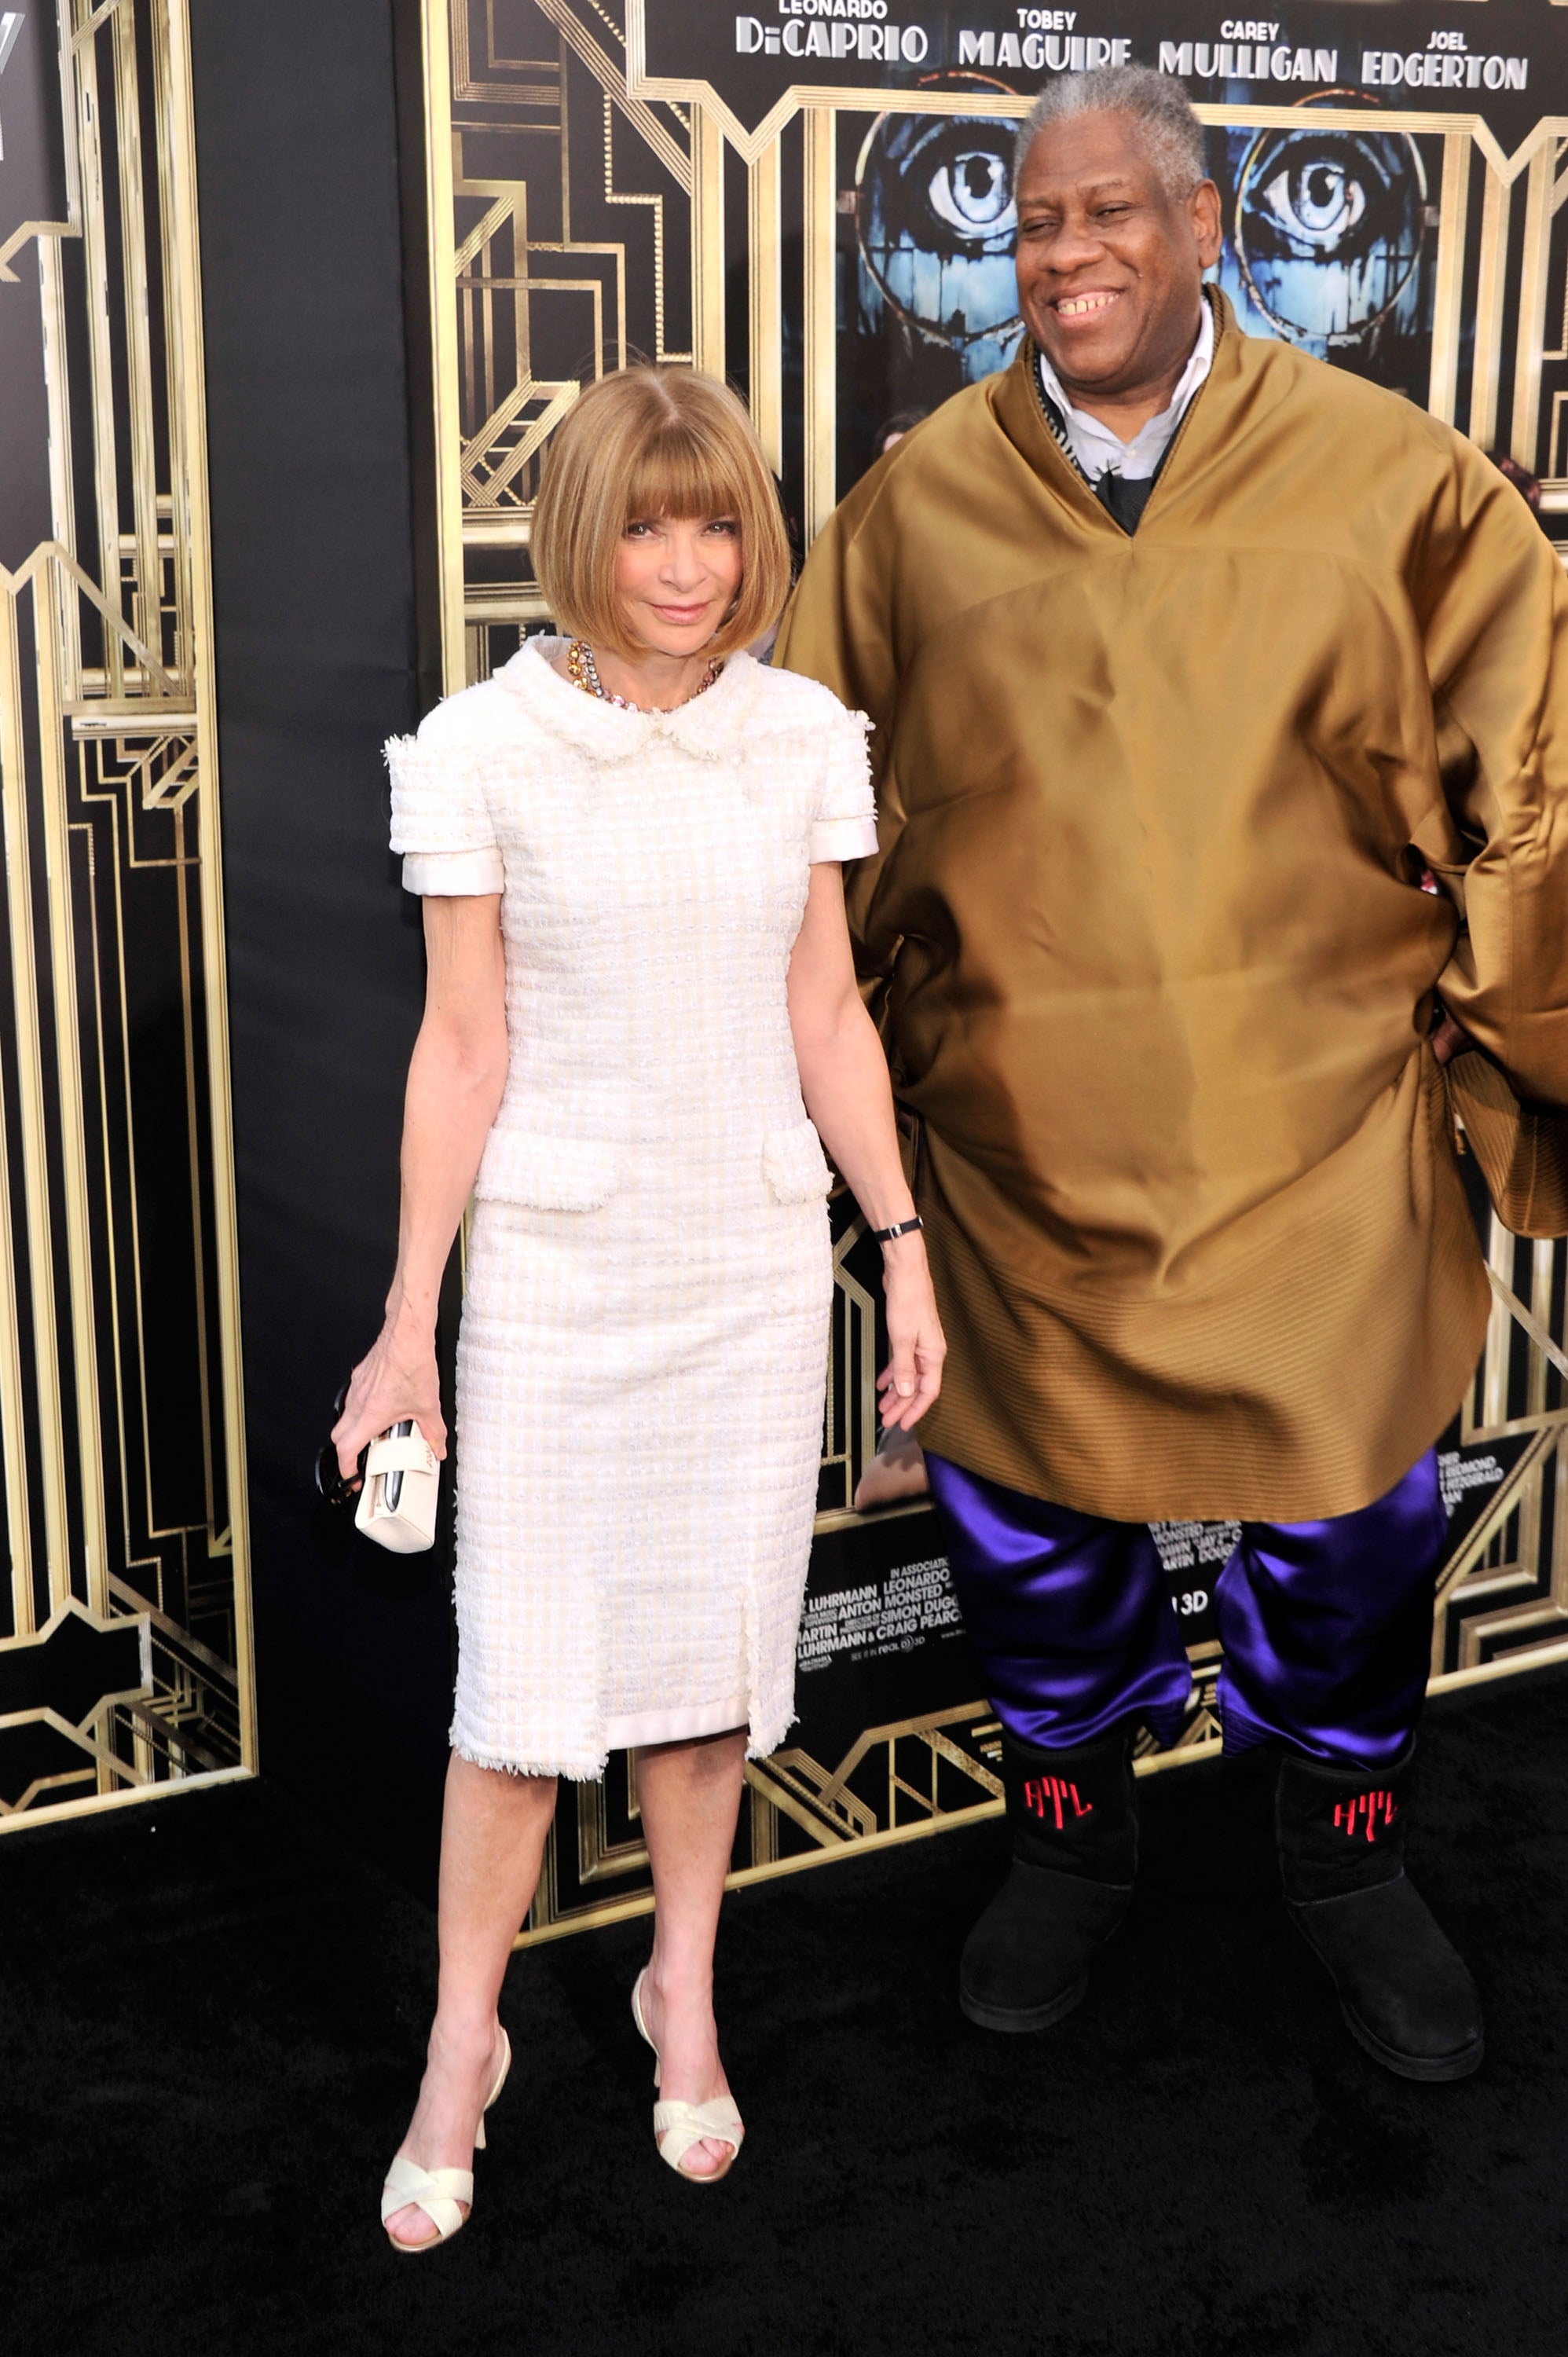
(641, 1010)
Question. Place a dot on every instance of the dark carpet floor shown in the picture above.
(212, 2020)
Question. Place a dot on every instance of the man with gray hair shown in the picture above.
(1191, 661)
(1119, 342)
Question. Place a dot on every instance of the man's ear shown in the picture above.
(1203, 212)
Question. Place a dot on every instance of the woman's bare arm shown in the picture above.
(456, 1079)
(843, 1079)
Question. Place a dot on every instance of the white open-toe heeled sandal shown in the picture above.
(445, 2195)
(678, 2127)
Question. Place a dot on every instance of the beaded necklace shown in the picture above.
(583, 672)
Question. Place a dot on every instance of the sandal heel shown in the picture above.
(677, 2127)
(445, 2195)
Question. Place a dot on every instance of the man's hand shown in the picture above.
(1447, 1039)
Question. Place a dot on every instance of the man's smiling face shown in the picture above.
(1110, 263)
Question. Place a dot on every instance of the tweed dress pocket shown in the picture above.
(794, 1163)
(548, 1174)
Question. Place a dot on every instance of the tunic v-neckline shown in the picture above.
(1026, 365)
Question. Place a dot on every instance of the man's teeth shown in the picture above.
(1073, 307)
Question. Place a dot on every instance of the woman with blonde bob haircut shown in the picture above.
(641, 1010)
(655, 439)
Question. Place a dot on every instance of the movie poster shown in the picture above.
(814, 198)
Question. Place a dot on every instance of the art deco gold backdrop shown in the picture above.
(586, 204)
(125, 1626)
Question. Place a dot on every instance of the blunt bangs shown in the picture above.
(645, 443)
(679, 474)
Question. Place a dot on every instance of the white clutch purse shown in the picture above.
(402, 1481)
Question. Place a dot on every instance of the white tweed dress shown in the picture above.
(642, 1359)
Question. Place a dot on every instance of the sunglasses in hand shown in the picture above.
(337, 1490)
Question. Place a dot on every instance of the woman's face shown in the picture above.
(676, 579)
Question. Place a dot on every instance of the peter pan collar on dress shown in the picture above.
(710, 726)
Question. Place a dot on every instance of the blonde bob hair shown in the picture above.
(646, 443)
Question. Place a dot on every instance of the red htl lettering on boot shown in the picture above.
(1376, 1811)
(1047, 1796)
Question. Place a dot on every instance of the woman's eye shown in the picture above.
(638, 530)
(726, 524)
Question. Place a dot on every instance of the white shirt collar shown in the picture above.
(1093, 443)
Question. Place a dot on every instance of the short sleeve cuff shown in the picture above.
(842, 838)
(451, 873)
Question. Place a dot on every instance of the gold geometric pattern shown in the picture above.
(125, 1626)
(1503, 1603)
(583, 212)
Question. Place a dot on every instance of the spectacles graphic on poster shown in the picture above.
(1330, 241)
(1369, 166)
(814, 198)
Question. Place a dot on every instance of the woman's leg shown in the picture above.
(492, 1838)
(689, 1795)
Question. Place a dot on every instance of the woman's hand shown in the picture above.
(396, 1380)
(913, 1375)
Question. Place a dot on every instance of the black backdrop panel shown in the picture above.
(32, 188)
(308, 417)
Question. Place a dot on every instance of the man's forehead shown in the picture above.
(1100, 184)
(1089, 151)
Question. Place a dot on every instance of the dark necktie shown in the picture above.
(1122, 499)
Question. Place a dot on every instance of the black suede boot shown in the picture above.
(1074, 1849)
(1405, 1993)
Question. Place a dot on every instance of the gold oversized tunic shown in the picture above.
(1152, 815)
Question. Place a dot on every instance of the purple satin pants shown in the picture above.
(1326, 1626)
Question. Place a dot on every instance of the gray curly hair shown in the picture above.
(1168, 131)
